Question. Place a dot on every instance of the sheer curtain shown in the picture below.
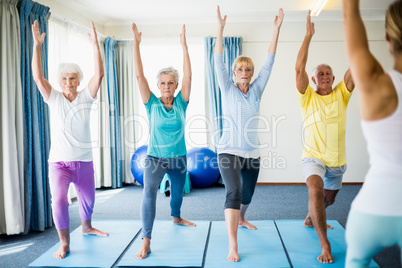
(126, 85)
(69, 43)
(11, 134)
(232, 48)
(36, 123)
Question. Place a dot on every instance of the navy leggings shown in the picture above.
(240, 177)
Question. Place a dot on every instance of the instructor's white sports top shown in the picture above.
(381, 193)
(69, 127)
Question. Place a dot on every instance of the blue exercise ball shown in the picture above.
(202, 165)
(138, 163)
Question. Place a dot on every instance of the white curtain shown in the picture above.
(69, 43)
(126, 88)
(11, 128)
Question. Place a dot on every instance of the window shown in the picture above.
(68, 43)
(160, 53)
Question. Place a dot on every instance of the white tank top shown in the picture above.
(381, 193)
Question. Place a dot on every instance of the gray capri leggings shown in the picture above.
(155, 169)
(240, 177)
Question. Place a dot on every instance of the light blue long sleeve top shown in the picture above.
(241, 112)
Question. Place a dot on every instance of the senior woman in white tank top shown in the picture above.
(375, 219)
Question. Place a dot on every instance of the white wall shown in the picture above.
(279, 104)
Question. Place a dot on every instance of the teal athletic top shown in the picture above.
(166, 127)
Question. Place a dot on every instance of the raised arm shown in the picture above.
(219, 36)
(186, 83)
(96, 80)
(348, 79)
(275, 35)
(145, 92)
(43, 85)
(302, 79)
(365, 68)
(374, 85)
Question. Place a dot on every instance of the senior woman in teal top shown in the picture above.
(167, 149)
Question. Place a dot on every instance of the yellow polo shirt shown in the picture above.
(324, 124)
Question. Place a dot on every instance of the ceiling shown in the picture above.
(119, 12)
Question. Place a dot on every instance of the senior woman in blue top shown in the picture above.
(167, 149)
(238, 153)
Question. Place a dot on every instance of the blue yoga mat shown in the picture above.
(303, 245)
(93, 251)
(172, 246)
(257, 248)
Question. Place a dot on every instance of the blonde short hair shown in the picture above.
(242, 60)
(393, 24)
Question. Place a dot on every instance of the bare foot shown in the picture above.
(246, 224)
(233, 254)
(181, 221)
(61, 252)
(94, 231)
(326, 256)
(309, 223)
(145, 249)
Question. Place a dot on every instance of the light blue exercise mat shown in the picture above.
(257, 248)
(303, 246)
(171, 245)
(93, 251)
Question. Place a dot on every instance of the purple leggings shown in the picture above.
(61, 174)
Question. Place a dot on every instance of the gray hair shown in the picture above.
(314, 72)
(168, 70)
(71, 68)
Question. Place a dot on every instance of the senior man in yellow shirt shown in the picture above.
(324, 124)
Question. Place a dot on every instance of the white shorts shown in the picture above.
(331, 176)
